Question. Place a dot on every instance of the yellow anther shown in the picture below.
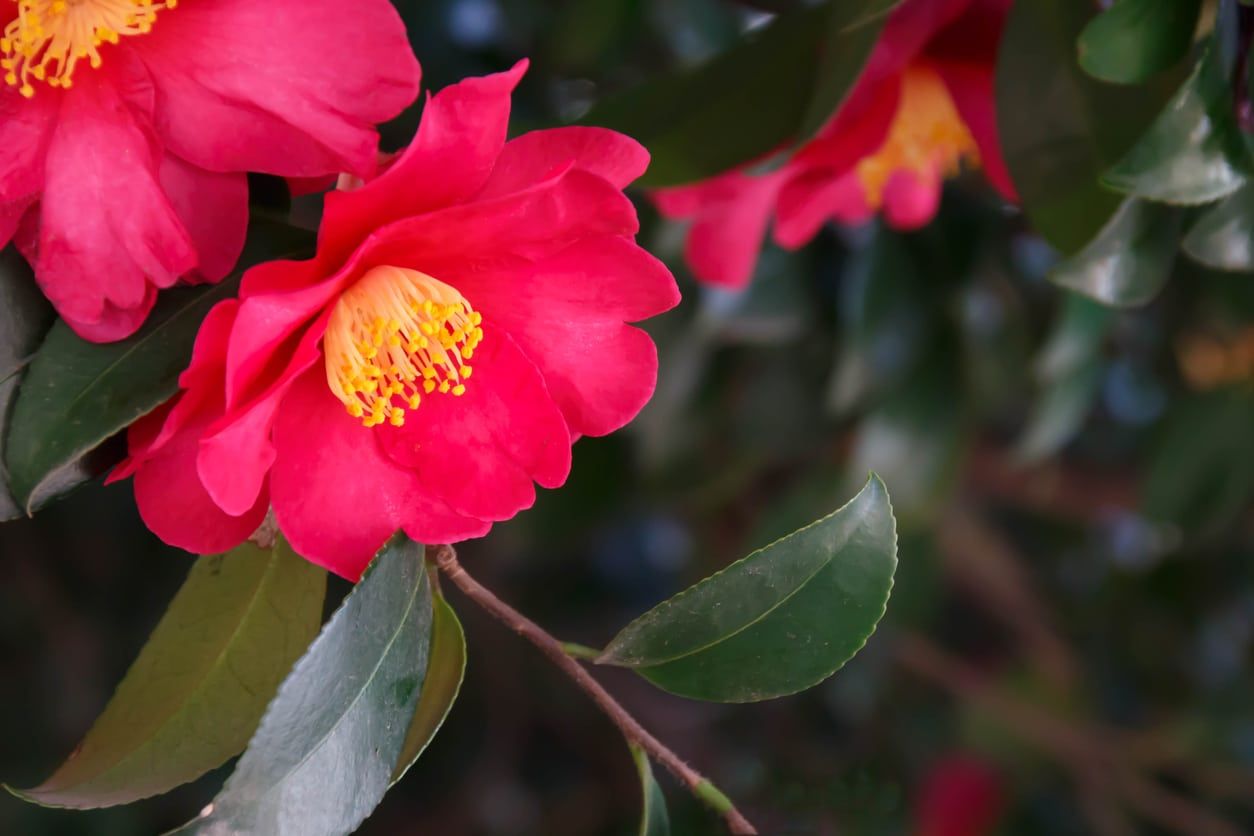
(46, 39)
(394, 332)
(927, 137)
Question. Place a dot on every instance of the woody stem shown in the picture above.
(446, 559)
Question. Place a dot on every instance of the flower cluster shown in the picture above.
(921, 110)
(465, 317)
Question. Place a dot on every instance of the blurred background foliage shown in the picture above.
(1069, 642)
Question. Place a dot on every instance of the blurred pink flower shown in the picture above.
(921, 110)
(961, 795)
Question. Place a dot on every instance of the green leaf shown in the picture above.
(1060, 129)
(1188, 154)
(654, 820)
(77, 393)
(200, 685)
(1129, 261)
(1069, 373)
(778, 621)
(329, 743)
(750, 100)
(446, 668)
(884, 322)
(1223, 237)
(1135, 39)
(25, 317)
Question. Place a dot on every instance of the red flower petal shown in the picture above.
(567, 312)
(288, 87)
(175, 506)
(462, 131)
(481, 451)
(911, 200)
(103, 205)
(236, 452)
(536, 156)
(806, 203)
(726, 237)
(214, 210)
(337, 497)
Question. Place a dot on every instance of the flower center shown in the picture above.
(927, 136)
(394, 336)
(48, 38)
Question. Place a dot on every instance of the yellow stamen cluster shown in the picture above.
(927, 135)
(394, 336)
(48, 38)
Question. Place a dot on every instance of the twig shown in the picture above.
(559, 654)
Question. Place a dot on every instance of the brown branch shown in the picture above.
(446, 559)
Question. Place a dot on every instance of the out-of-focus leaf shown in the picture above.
(200, 685)
(329, 743)
(913, 438)
(1134, 39)
(884, 323)
(76, 393)
(1069, 373)
(25, 317)
(1060, 411)
(585, 33)
(749, 100)
(778, 621)
(653, 818)
(1223, 237)
(1201, 471)
(446, 667)
(1188, 154)
(1060, 129)
(1129, 261)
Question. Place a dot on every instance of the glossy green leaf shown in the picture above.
(1135, 39)
(329, 743)
(750, 100)
(1190, 154)
(654, 820)
(446, 667)
(1060, 128)
(778, 621)
(1223, 237)
(196, 692)
(25, 317)
(77, 394)
(1129, 261)
(1069, 373)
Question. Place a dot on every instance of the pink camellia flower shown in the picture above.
(462, 323)
(921, 110)
(128, 125)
